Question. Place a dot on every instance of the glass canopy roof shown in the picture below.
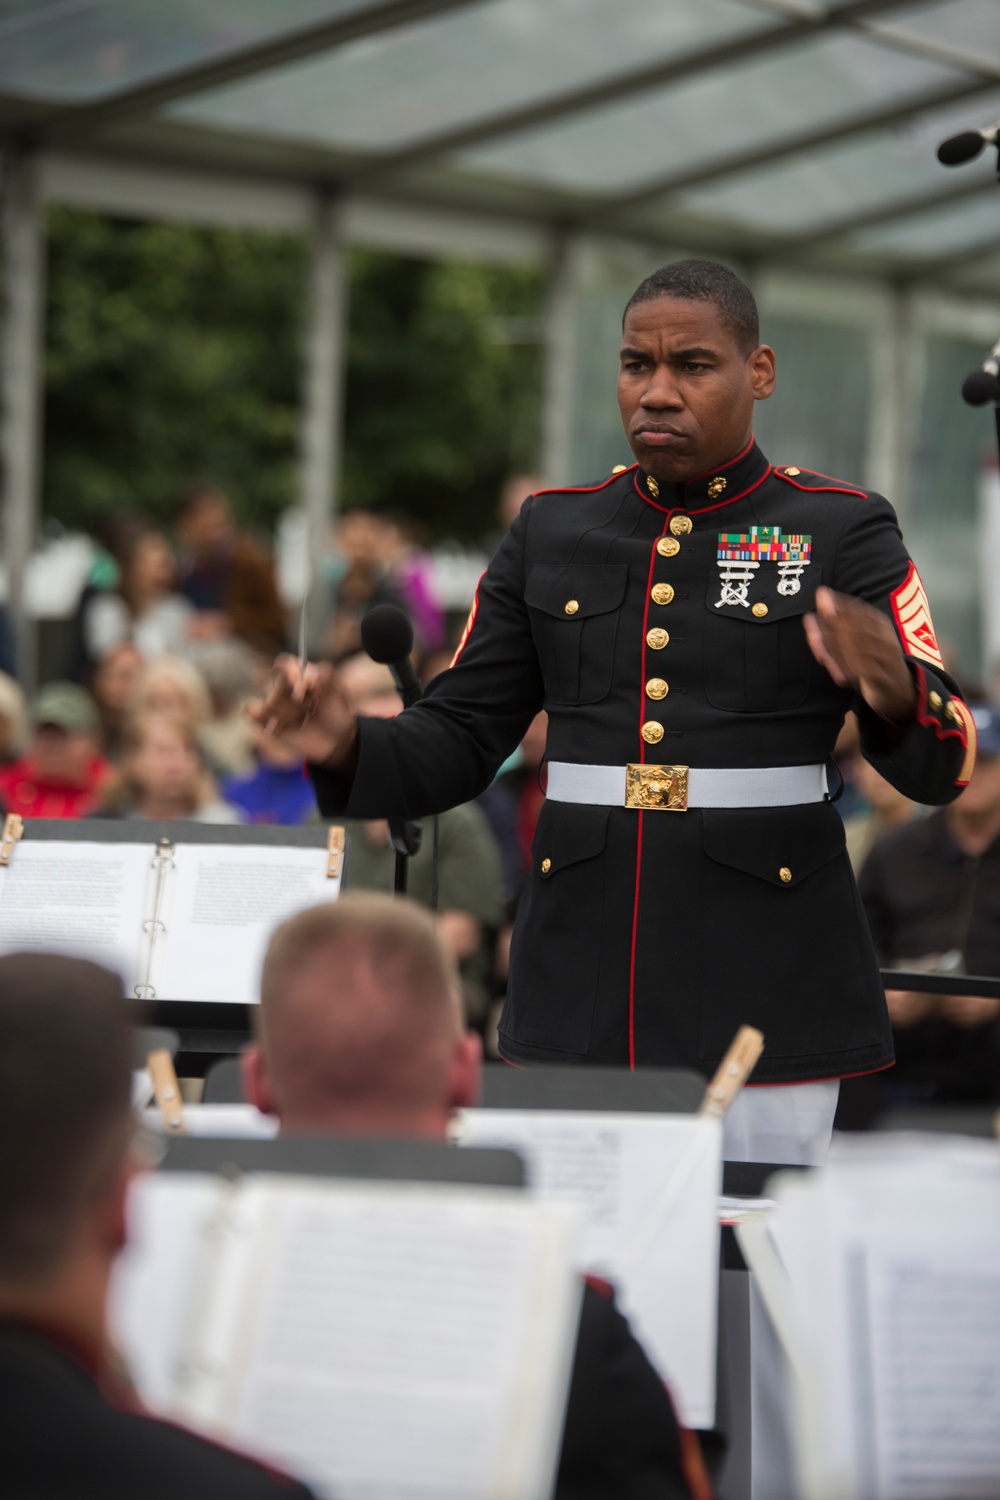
(791, 128)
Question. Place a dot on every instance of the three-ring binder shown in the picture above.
(163, 860)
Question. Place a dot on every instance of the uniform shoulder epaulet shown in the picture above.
(811, 479)
(589, 489)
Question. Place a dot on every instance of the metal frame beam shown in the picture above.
(23, 241)
(72, 124)
(636, 81)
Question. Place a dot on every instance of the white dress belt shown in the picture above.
(676, 788)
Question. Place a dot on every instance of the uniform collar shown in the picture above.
(720, 486)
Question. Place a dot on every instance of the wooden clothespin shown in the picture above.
(733, 1072)
(166, 1090)
(13, 828)
(335, 844)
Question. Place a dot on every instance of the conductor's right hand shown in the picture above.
(306, 709)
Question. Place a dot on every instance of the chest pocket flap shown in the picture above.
(576, 607)
(783, 846)
(763, 589)
(593, 588)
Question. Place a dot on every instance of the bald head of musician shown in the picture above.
(359, 1028)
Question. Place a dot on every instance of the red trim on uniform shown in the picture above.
(838, 487)
(911, 611)
(693, 1464)
(727, 465)
(473, 612)
(964, 733)
(795, 1083)
(585, 489)
(702, 510)
(601, 1287)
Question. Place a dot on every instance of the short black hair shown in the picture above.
(706, 281)
(65, 1109)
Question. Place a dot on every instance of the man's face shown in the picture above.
(982, 795)
(207, 527)
(686, 390)
(63, 755)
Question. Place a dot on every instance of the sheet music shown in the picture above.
(648, 1186)
(391, 1342)
(83, 899)
(225, 902)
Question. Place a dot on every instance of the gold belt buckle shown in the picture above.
(661, 788)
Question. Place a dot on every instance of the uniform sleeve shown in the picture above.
(448, 748)
(929, 760)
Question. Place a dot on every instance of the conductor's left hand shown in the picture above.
(859, 648)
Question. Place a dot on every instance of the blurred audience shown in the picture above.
(62, 772)
(70, 1427)
(883, 809)
(227, 576)
(513, 492)
(13, 720)
(278, 790)
(932, 893)
(114, 687)
(232, 673)
(360, 1032)
(411, 576)
(470, 877)
(163, 775)
(512, 805)
(357, 568)
(144, 608)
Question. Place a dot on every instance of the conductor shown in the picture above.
(696, 625)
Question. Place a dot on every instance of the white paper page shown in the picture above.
(86, 900)
(153, 1280)
(392, 1342)
(229, 1121)
(226, 901)
(648, 1186)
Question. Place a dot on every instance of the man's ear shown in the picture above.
(256, 1084)
(465, 1073)
(112, 1212)
(763, 374)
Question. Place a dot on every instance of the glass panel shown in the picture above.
(955, 444)
(425, 78)
(69, 51)
(818, 415)
(971, 26)
(763, 101)
(960, 226)
(802, 193)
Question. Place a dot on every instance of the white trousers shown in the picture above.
(788, 1122)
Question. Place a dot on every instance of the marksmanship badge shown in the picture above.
(740, 554)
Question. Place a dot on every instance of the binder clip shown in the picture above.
(13, 828)
(335, 845)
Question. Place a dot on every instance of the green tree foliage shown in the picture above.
(174, 354)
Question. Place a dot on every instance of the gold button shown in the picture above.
(954, 714)
(760, 610)
(785, 874)
(619, 468)
(934, 699)
(571, 606)
(681, 525)
(791, 472)
(661, 593)
(656, 688)
(657, 639)
(668, 546)
(546, 866)
(652, 732)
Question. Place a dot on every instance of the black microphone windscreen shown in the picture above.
(386, 633)
(981, 387)
(959, 148)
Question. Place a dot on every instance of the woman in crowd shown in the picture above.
(13, 720)
(113, 687)
(163, 776)
(144, 608)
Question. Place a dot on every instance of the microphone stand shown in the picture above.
(405, 836)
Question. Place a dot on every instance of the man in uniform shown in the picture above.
(696, 626)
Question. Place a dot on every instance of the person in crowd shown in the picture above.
(513, 492)
(13, 720)
(278, 790)
(231, 672)
(62, 773)
(931, 890)
(114, 687)
(174, 686)
(163, 776)
(360, 1032)
(145, 608)
(470, 878)
(227, 576)
(886, 808)
(357, 568)
(70, 1428)
(411, 576)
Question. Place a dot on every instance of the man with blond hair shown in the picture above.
(360, 1032)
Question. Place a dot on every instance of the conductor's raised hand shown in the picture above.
(859, 648)
(306, 709)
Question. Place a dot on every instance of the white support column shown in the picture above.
(22, 335)
(323, 394)
(895, 384)
(559, 383)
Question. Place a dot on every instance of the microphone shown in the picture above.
(983, 385)
(387, 636)
(966, 146)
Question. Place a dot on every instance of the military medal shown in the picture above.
(794, 554)
(740, 554)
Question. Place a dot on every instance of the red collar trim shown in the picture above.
(718, 468)
(703, 509)
(584, 489)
